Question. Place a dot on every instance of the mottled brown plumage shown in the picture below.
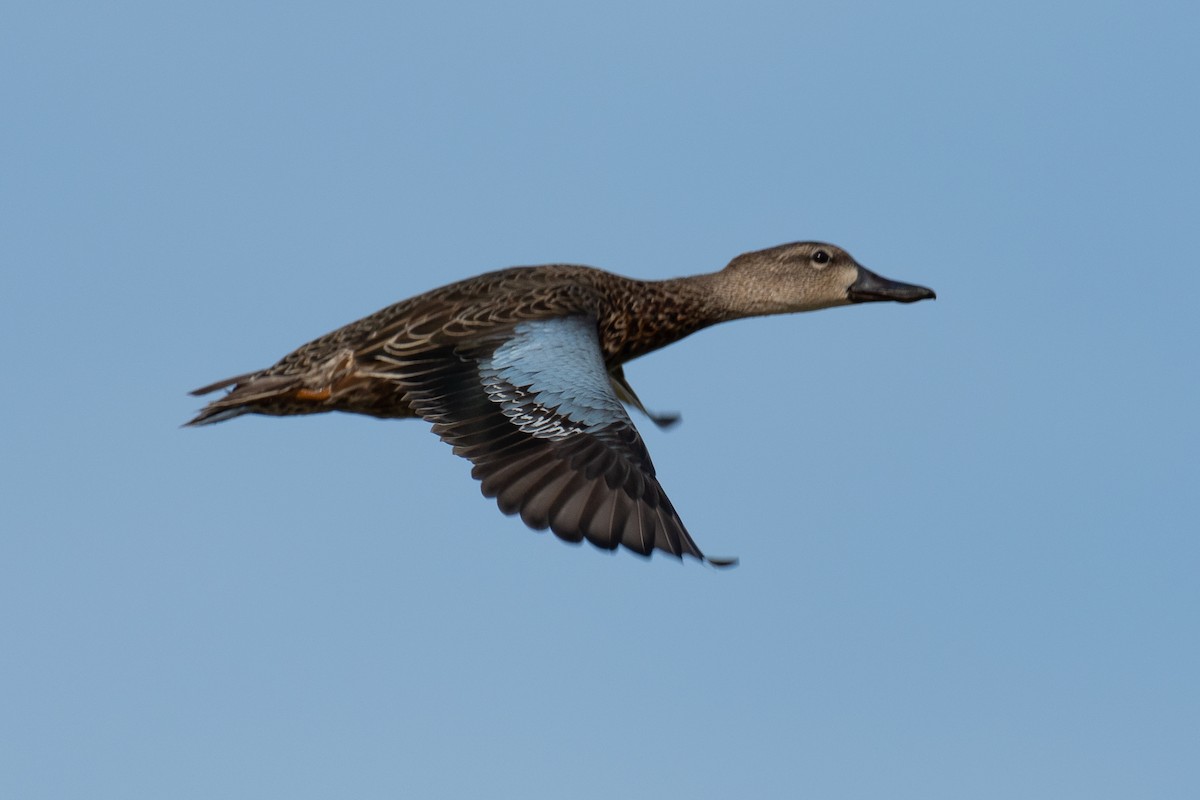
(520, 370)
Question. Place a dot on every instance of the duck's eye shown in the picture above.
(820, 257)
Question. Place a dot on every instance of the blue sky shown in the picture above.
(968, 551)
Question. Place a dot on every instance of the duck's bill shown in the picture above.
(871, 288)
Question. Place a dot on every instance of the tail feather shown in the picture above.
(248, 392)
(210, 415)
(212, 387)
(273, 392)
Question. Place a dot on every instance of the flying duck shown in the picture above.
(520, 371)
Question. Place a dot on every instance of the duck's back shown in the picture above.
(348, 369)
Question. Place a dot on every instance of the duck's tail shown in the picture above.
(282, 393)
(251, 393)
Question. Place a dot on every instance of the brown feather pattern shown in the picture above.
(581, 471)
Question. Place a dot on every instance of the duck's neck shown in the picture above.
(648, 315)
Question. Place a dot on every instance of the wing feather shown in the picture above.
(534, 409)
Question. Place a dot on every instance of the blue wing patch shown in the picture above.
(550, 380)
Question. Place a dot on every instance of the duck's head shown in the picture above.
(805, 276)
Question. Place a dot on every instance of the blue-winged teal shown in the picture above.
(520, 371)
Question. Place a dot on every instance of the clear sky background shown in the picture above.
(967, 529)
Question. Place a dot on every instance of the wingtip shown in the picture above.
(722, 563)
(665, 421)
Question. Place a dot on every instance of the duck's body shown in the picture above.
(520, 370)
(351, 364)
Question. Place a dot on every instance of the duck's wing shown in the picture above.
(628, 396)
(533, 408)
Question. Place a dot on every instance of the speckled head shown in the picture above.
(805, 276)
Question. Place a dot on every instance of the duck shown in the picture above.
(521, 372)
